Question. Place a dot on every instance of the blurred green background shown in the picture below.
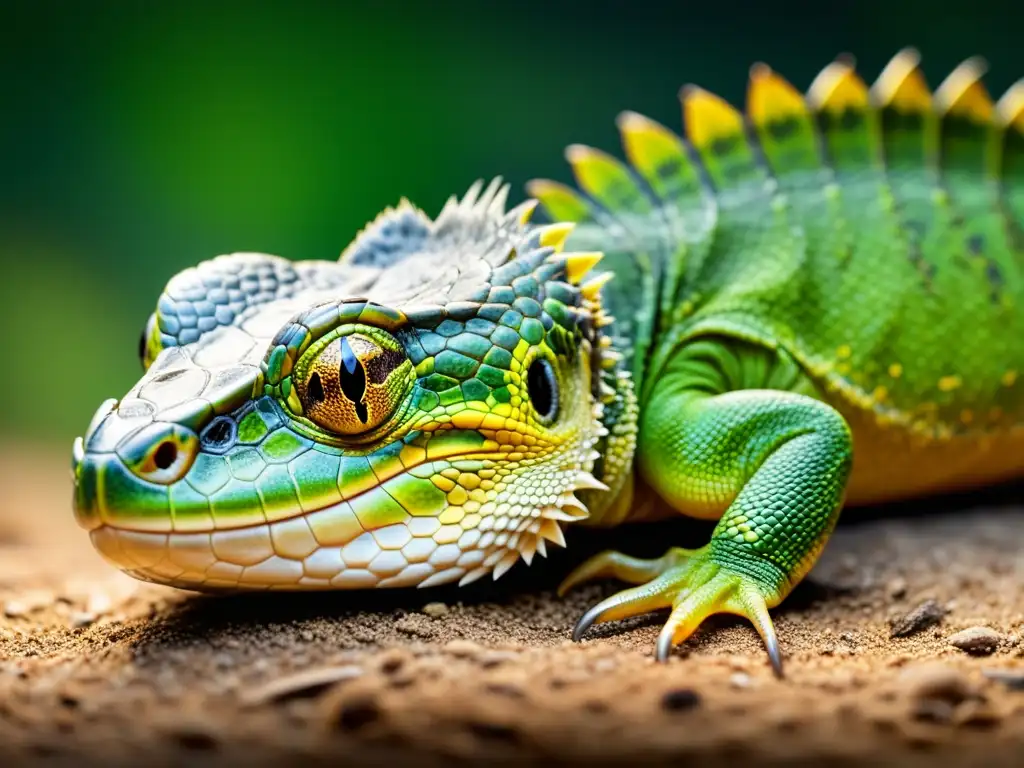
(137, 138)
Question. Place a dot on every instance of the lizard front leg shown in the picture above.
(770, 462)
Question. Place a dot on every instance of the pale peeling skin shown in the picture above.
(829, 273)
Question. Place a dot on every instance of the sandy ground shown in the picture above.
(97, 669)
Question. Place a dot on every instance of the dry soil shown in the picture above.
(97, 669)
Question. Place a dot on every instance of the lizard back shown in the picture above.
(876, 235)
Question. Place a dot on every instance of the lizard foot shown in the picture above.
(686, 580)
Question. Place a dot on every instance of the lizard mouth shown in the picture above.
(337, 546)
(364, 540)
(286, 556)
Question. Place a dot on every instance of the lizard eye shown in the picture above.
(543, 388)
(353, 383)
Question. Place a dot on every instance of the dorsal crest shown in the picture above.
(477, 227)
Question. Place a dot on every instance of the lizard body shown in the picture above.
(818, 301)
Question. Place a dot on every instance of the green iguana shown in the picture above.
(817, 301)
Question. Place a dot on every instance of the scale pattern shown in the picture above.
(877, 234)
(462, 479)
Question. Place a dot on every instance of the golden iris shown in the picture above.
(354, 383)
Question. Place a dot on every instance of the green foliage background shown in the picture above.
(137, 138)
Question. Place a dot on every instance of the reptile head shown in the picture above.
(422, 411)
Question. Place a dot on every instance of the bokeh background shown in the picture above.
(137, 138)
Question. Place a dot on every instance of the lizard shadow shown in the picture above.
(194, 617)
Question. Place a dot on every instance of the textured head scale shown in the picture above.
(421, 411)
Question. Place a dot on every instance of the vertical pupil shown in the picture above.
(316, 388)
(352, 378)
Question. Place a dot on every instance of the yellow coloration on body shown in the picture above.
(555, 235)
(579, 264)
(647, 143)
(771, 97)
(838, 88)
(562, 202)
(709, 117)
(963, 95)
(1010, 108)
(902, 85)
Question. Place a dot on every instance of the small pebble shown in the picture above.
(980, 641)
(927, 614)
(81, 619)
(435, 610)
(897, 588)
(14, 609)
(740, 680)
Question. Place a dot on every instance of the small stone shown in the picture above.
(82, 619)
(680, 700)
(979, 641)
(435, 610)
(740, 680)
(927, 614)
(13, 609)
(897, 588)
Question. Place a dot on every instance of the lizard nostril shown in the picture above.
(165, 455)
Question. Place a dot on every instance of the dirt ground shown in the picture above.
(97, 669)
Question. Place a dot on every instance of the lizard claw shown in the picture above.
(688, 582)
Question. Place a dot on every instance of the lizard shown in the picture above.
(811, 304)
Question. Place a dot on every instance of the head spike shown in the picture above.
(505, 563)
(577, 265)
(586, 481)
(592, 288)
(527, 549)
(962, 94)
(708, 117)
(554, 235)
(552, 531)
(902, 85)
(472, 194)
(473, 575)
(837, 88)
(567, 502)
(522, 212)
(554, 513)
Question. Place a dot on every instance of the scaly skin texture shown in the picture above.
(817, 302)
